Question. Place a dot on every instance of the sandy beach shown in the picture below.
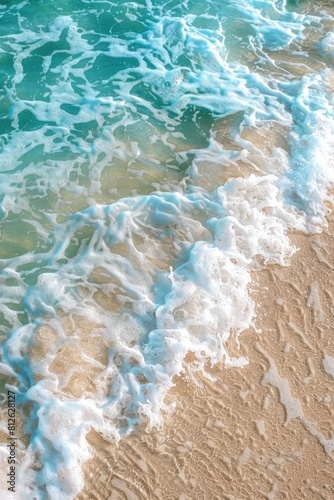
(261, 432)
(158, 157)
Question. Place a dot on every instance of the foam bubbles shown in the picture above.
(152, 157)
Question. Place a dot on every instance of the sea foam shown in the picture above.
(153, 155)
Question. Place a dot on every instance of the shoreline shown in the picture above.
(266, 430)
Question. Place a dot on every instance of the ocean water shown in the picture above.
(152, 155)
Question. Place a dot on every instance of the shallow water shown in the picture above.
(153, 154)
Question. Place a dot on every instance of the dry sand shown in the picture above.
(262, 432)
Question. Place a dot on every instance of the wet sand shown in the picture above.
(262, 432)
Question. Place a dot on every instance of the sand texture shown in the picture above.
(262, 432)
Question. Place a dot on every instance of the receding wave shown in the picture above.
(153, 154)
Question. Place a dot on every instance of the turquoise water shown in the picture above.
(152, 154)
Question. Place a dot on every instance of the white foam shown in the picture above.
(125, 290)
(328, 363)
(292, 406)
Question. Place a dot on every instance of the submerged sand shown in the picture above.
(262, 432)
